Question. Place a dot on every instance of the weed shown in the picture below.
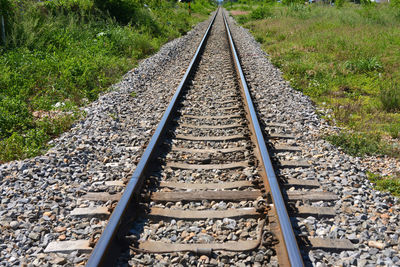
(363, 65)
(390, 97)
(389, 184)
(113, 116)
(261, 12)
(393, 130)
(358, 144)
(339, 3)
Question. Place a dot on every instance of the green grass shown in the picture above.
(346, 59)
(61, 54)
(360, 144)
(390, 184)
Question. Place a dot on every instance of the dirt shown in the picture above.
(238, 12)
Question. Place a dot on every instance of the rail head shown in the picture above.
(289, 238)
(101, 254)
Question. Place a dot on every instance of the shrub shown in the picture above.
(293, 2)
(121, 10)
(15, 115)
(21, 146)
(12, 148)
(395, 3)
(261, 12)
(366, 2)
(393, 130)
(339, 3)
(297, 9)
(7, 11)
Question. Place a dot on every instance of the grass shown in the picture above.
(360, 144)
(346, 59)
(389, 184)
(60, 55)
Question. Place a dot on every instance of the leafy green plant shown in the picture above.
(14, 116)
(261, 12)
(122, 10)
(339, 3)
(389, 183)
(293, 3)
(7, 12)
(393, 130)
(395, 3)
(366, 2)
(358, 144)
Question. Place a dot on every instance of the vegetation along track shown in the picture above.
(205, 190)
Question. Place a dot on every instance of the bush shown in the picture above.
(293, 2)
(395, 3)
(298, 9)
(21, 146)
(393, 130)
(339, 3)
(261, 12)
(390, 97)
(7, 11)
(15, 116)
(122, 10)
(12, 148)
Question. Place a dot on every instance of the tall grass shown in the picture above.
(346, 58)
(390, 97)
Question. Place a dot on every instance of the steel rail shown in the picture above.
(101, 255)
(291, 245)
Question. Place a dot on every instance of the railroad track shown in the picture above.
(205, 189)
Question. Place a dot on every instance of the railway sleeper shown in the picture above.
(301, 183)
(233, 165)
(205, 195)
(207, 186)
(203, 214)
(222, 117)
(286, 148)
(234, 125)
(210, 138)
(309, 196)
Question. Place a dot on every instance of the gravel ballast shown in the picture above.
(38, 194)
